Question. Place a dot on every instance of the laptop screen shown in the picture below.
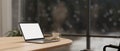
(31, 30)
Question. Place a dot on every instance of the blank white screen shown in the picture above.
(31, 30)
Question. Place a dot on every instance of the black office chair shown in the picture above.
(112, 46)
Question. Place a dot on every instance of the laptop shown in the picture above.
(32, 33)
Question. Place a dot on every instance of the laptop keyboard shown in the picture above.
(41, 41)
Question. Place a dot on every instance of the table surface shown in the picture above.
(18, 44)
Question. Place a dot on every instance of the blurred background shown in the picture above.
(68, 17)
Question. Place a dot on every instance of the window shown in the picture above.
(64, 16)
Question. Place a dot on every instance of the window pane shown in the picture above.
(105, 22)
(64, 16)
(105, 17)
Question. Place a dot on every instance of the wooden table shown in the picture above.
(18, 44)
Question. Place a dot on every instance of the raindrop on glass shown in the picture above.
(104, 16)
(70, 26)
(110, 11)
(96, 5)
(114, 23)
(77, 19)
(118, 11)
(95, 15)
(74, 15)
(58, 1)
(110, 19)
(77, 2)
(103, 30)
(119, 19)
(49, 8)
(49, 19)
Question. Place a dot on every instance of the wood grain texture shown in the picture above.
(18, 44)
